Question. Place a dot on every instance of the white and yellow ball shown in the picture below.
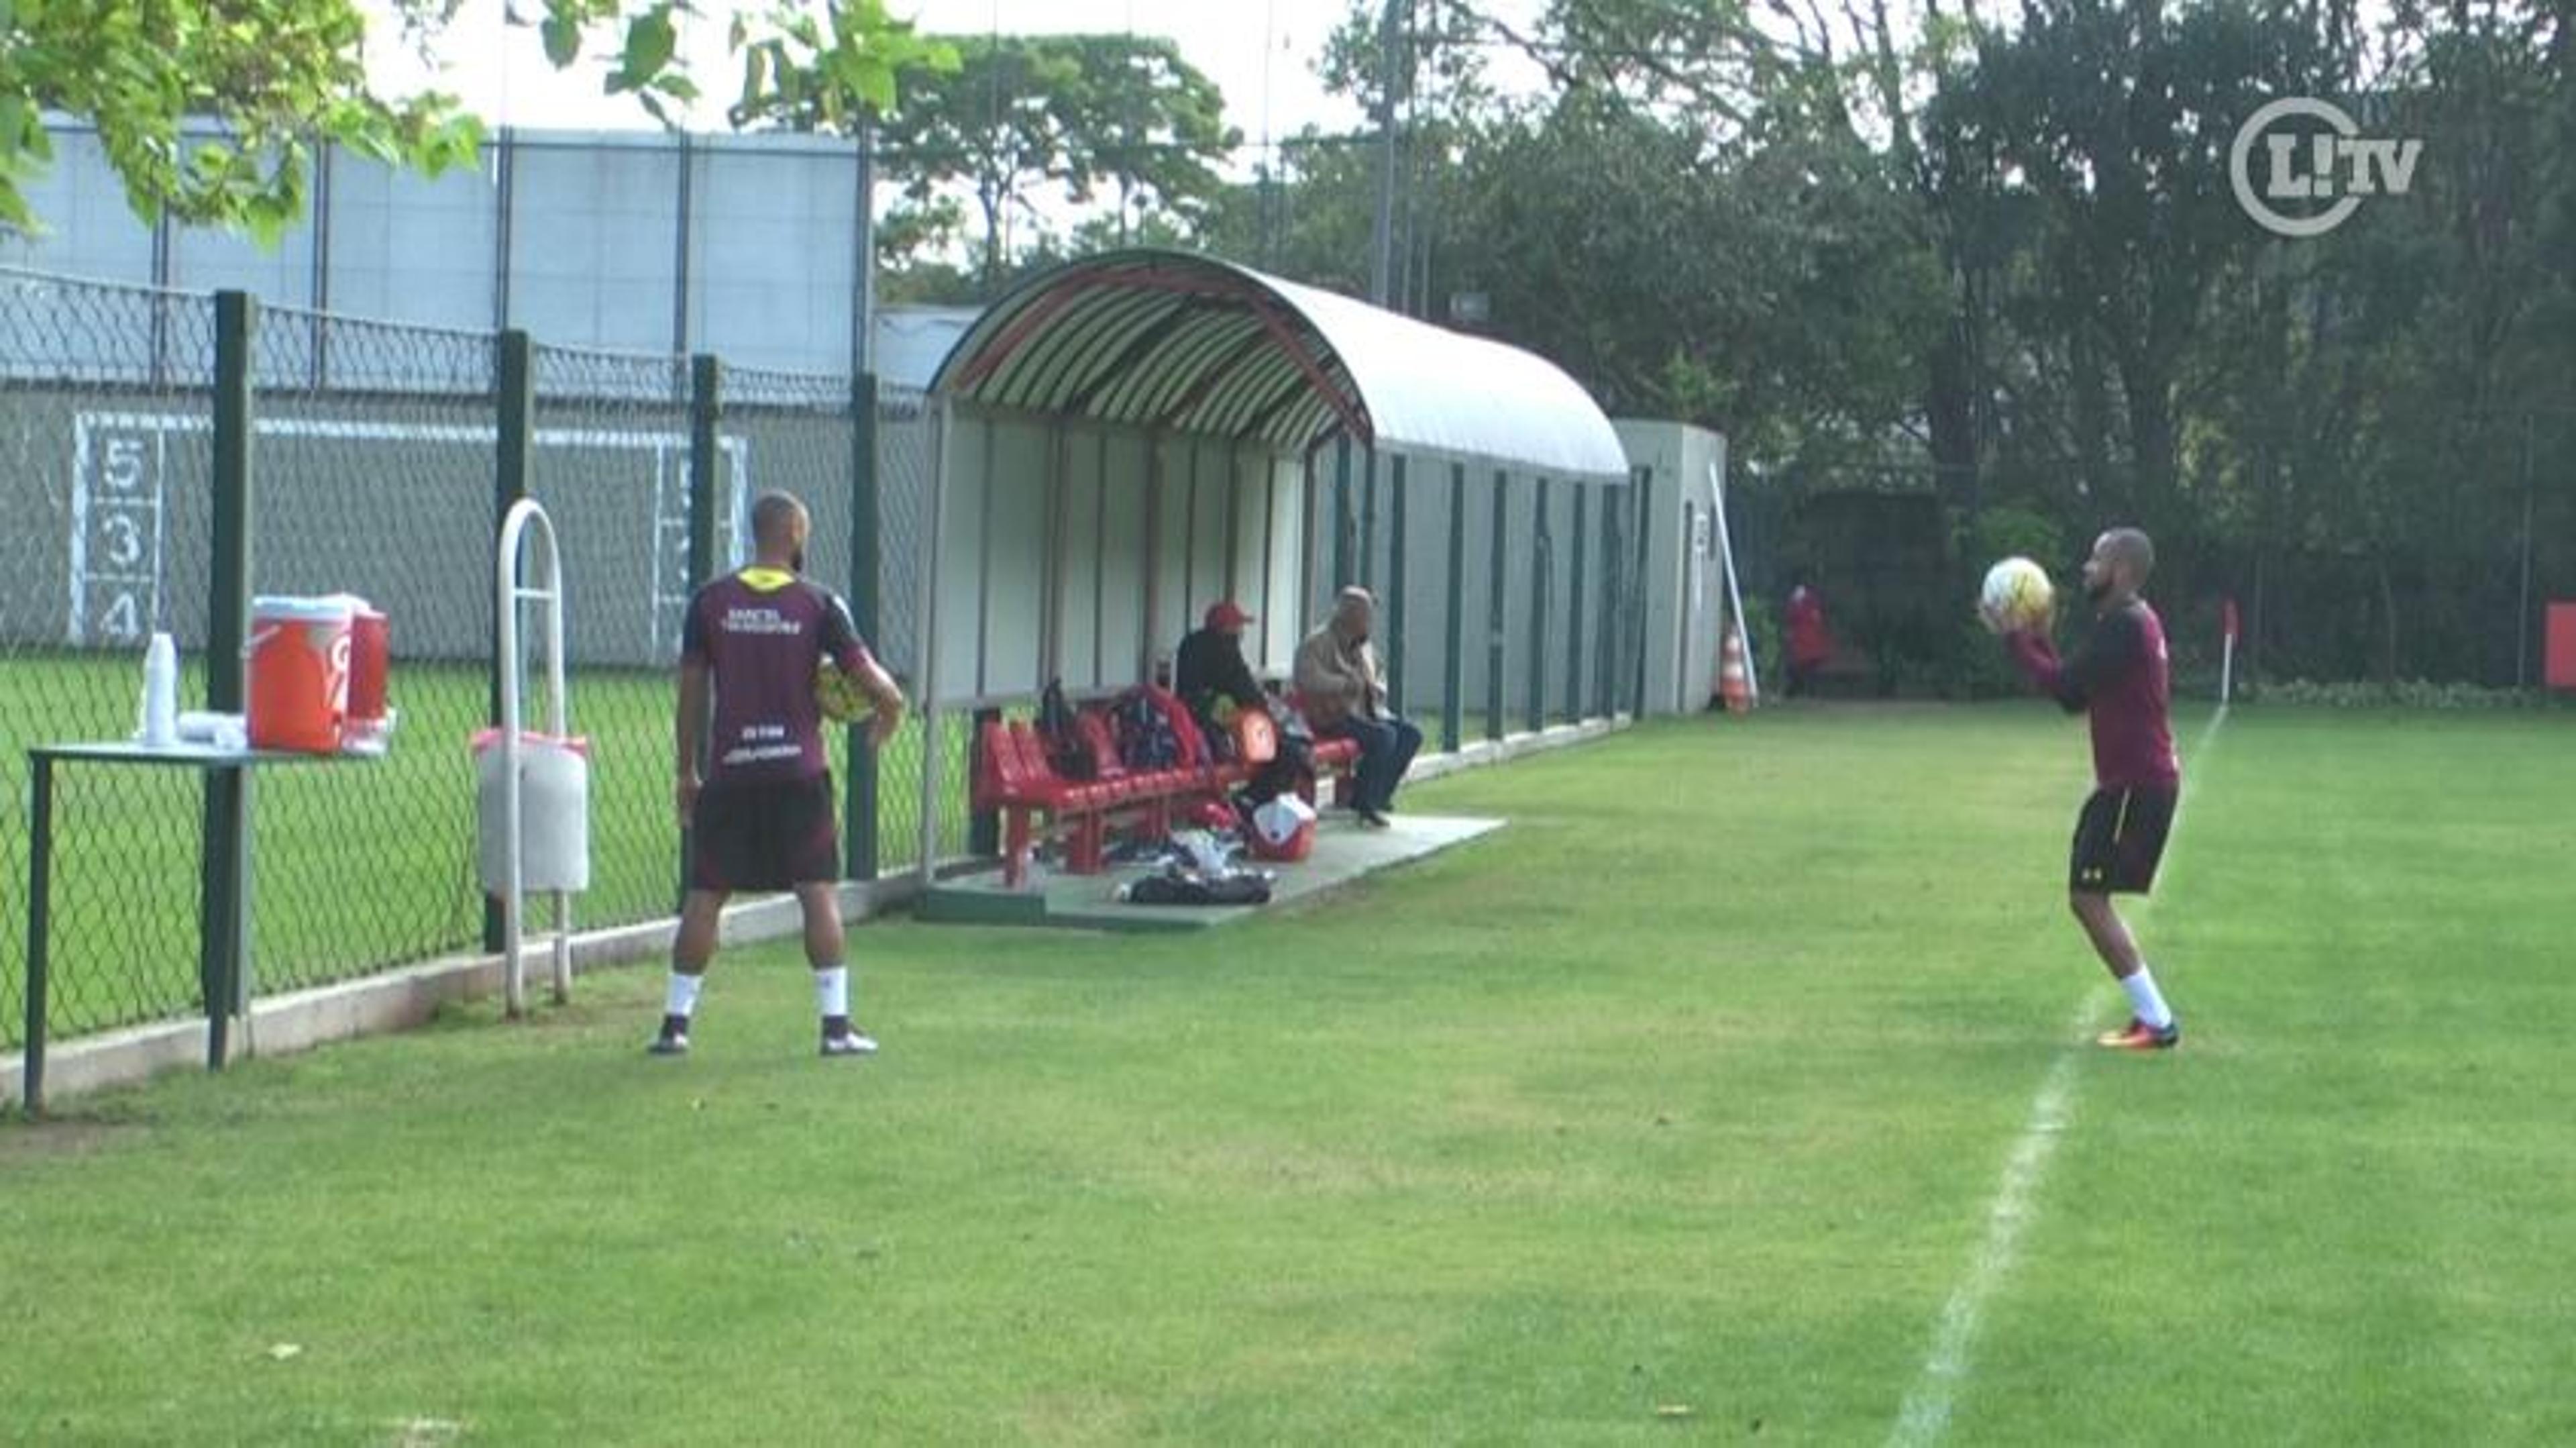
(2017, 596)
(839, 696)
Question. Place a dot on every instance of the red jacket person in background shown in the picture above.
(1810, 642)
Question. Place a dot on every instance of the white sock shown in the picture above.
(832, 991)
(681, 998)
(2149, 1001)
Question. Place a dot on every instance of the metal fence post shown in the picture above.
(983, 826)
(1395, 588)
(1637, 587)
(1497, 614)
(1606, 670)
(1542, 555)
(225, 863)
(706, 416)
(1341, 515)
(1368, 523)
(859, 798)
(1453, 666)
(1574, 695)
(514, 410)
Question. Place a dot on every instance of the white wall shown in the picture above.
(1054, 537)
(412, 247)
(1685, 590)
(774, 256)
(88, 228)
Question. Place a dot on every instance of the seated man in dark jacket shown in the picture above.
(1211, 667)
(1212, 678)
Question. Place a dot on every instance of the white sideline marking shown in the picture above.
(1926, 1414)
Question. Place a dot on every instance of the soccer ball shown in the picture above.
(839, 696)
(2016, 596)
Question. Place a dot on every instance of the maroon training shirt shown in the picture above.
(2120, 678)
(761, 633)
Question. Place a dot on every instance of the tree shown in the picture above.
(1087, 115)
(279, 77)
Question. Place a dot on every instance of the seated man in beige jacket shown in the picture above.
(1345, 698)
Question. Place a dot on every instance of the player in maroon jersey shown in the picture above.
(2120, 682)
(760, 818)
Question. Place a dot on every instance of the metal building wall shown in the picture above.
(575, 236)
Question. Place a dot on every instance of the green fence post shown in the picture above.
(1497, 615)
(1541, 555)
(228, 602)
(1453, 667)
(514, 412)
(706, 416)
(1368, 523)
(40, 926)
(984, 826)
(1637, 587)
(1395, 587)
(1341, 514)
(224, 869)
(1606, 671)
(1574, 695)
(859, 802)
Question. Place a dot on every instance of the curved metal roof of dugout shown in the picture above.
(1174, 341)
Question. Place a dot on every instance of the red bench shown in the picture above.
(1013, 776)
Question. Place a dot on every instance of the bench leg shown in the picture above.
(1015, 849)
(1083, 853)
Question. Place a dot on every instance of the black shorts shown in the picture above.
(764, 835)
(2119, 838)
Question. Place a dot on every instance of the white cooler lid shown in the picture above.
(288, 608)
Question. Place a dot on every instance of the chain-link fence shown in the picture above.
(372, 476)
(2453, 594)
(379, 468)
(907, 452)
(612, 463)
(105, 457)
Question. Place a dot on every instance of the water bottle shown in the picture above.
(160, 722)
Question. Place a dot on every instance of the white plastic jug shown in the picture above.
(554, 813)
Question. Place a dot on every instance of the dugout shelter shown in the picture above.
(1137, 434)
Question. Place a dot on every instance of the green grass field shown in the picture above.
(1677, 1110)
(359, 866)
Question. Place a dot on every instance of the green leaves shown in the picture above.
(562, 39)
(211, 112)
(650, 42)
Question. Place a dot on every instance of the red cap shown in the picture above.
(1226, 615)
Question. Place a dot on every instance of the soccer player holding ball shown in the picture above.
(769, 654)
(2119, 681)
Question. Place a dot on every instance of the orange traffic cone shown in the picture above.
(1732, 687)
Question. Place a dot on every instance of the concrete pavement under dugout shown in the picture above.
(1134, 436)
